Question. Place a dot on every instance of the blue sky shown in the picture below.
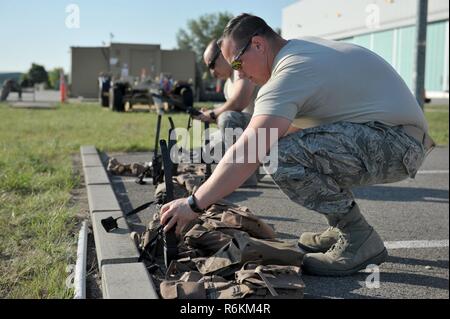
(35, 30)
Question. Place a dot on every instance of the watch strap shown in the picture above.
(192, 201)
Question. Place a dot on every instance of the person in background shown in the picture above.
(240, 95)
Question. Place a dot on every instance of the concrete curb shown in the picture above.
(125, 281)
(123, 277)
(102, 198)
(116, 246)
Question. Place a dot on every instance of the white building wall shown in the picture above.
(386, 27)
(338, 19)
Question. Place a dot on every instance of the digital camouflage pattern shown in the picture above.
(318, 167)
(234, 120)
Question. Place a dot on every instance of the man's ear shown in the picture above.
(259, 42)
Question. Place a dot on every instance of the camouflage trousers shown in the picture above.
(318, 167)
(235, 120)
(232, 120)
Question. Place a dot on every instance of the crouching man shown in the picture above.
(361, 126)
(240, 94)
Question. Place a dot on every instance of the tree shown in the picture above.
(37, 74)
(25, 81)
(54, 77)
(198, 35)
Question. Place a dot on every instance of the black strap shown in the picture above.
(172, 124)
(151, 242)
(207, 149)
(167, 163)
(158, 129)
(140, 208)
(110, 223)
(169, 238)
(155, 169)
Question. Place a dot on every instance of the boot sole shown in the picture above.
(376, 260)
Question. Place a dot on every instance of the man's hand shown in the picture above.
(179, 213)
(204, 117)
(292, 129)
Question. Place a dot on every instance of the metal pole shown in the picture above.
(80, 268)
(421, 48)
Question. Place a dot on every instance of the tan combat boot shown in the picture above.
(319, 242)
(358, 246)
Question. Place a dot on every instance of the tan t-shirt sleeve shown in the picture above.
(285, 94)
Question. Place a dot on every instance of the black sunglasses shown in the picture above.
(212, 64)
(236, 64)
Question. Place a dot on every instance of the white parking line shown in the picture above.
(432, 172)
(409, 244)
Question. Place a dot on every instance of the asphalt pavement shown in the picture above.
(412, 217)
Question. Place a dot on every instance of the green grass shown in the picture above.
(437, 117)
(38, 223)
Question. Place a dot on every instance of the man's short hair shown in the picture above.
(242, 27)
(214, 44)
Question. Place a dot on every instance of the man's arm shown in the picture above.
(243, 90)
(227, 176)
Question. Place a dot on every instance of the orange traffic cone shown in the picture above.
(218, 86)
(62, 87)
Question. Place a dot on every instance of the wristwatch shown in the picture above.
(213, 115)
(192, 201)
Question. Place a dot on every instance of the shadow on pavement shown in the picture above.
(345, 287)
(418, 262)
(278, 218)
(402, 194)
(335, 287)
(135, 223)
(262, 185)
(415, 279)
(244, 194)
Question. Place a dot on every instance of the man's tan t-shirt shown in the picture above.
(316, 81)
(229, 88)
